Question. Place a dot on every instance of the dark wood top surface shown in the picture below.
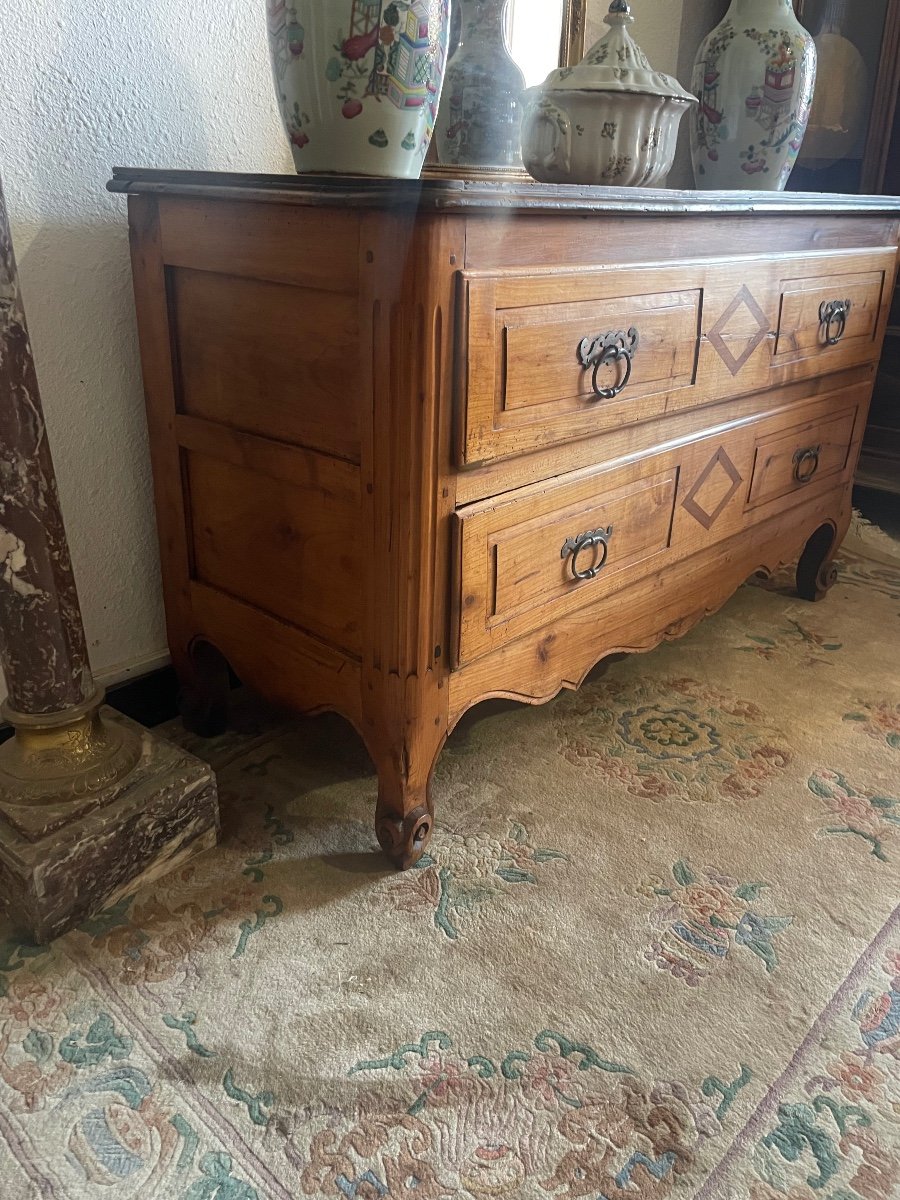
(442, 195)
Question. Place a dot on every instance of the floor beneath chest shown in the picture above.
(654, 950)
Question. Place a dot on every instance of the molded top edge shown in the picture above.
(442, 195)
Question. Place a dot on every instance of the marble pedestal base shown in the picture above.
(60, 865)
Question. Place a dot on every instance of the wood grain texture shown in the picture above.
(291, 548)
(624, 442)
(662, 510)
(513, 573)
(739, 325)
(437, 570)
(156, 341)
(268, 358)
(408, 501)
(806, 453)
(621, 240)
(292, 669)
(275, 244)
(659, 608)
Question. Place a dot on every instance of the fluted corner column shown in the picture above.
(74, 774)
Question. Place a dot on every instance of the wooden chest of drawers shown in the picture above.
(418, 445)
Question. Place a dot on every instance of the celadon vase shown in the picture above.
(480, 118)
(358, 82)
(754, 77)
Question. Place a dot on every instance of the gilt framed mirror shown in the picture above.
(498, 49)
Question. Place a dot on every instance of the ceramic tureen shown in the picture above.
(611, 120)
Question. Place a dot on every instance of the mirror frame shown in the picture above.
(571, 51)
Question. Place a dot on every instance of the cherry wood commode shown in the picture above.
(418, 445)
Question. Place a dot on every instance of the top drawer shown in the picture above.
(551, 356)
(527, 340)
(832, 319)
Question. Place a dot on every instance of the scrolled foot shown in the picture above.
(826, 579)
(816, 571)
(404, 839)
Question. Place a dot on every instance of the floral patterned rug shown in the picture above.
(654, 951)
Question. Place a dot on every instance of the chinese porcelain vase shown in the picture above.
(479, 121)
(358, 81)
(754, 77)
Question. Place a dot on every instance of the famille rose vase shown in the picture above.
(480, 118)
(754, 77)
(358, 81)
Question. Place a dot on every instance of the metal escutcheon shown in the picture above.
(606, 349)
(806, 463)
(588, 541)
(834, 313)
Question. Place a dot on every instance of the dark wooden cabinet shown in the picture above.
(873, 168)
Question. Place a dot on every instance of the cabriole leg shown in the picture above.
(205, 686)
(404, 818)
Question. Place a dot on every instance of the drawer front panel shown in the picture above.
(705, 332)
(528, 381)
(790, 462)
(539, 350)
(830, 321)
(553, 550)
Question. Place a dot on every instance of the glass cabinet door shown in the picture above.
(849, 36)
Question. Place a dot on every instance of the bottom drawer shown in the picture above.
(789, 461)
(526, 559)
(550, 548)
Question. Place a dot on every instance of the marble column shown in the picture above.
(90, 804)
(42, 646)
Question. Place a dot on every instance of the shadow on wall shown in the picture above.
(89, 84)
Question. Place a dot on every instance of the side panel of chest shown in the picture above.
(258, 427)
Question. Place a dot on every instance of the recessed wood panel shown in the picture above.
(795, 460)
(802, 332)
(268, 358)
(514, 570)
(524, 383)
(291, 548)
(287, 245)
(538, 349)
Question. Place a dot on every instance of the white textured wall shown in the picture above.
(84, 85)
(656, 28)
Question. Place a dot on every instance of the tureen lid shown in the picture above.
(616, 64)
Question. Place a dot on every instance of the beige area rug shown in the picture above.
(654, 952)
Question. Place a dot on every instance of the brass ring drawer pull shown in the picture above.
(834, 313)
(806, 463)
(588, 541)
(607, 349)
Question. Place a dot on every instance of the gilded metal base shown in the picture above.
(62, 761)
(471, 174)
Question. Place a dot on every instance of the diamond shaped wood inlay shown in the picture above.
(715, 486)
(749, 327)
